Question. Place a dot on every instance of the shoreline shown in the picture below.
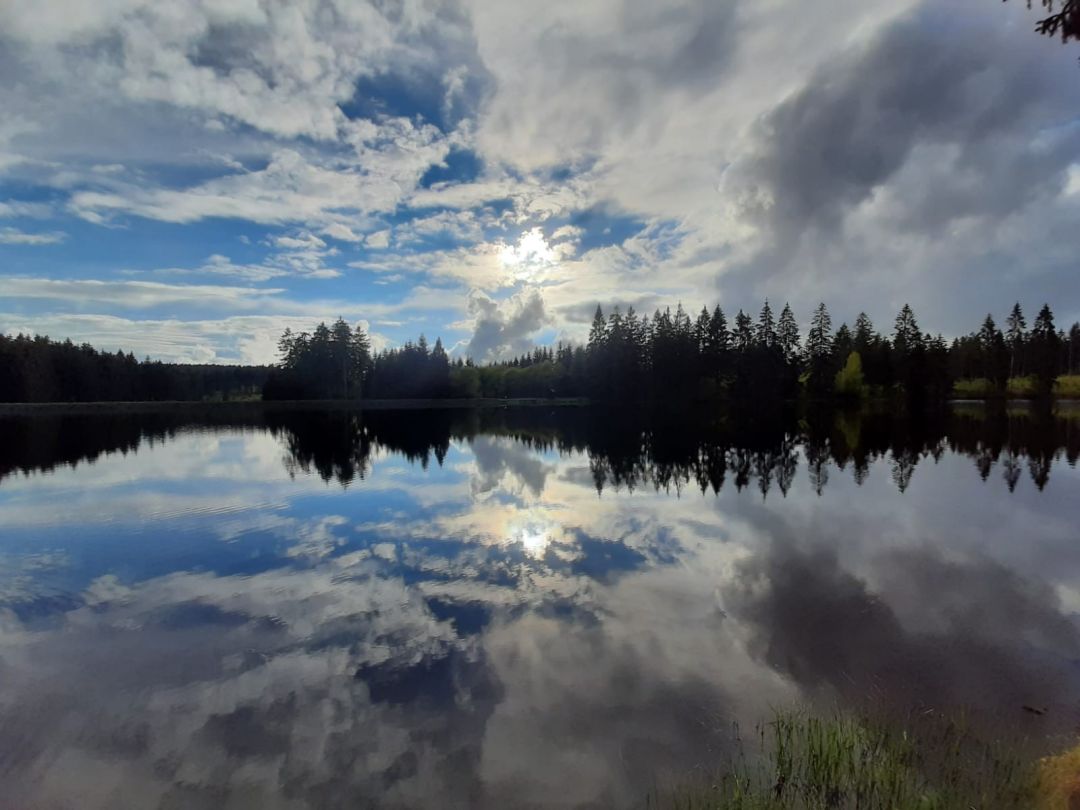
(33, 408)
(255, 406)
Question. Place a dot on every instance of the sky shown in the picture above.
(184, 178)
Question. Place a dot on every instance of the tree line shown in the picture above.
(669, 357)
(37, 369)
(673, 357)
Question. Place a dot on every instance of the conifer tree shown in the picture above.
(819, 351)
(743, 334)
(1045, 350)
(787, 335)
(1016, 338)
(766, 329)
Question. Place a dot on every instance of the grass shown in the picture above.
(1022, 387)
(1059, 781)
(1066, 387)
(976, 388)
(804, 762)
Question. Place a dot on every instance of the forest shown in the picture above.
(671, 358)
(37, 369)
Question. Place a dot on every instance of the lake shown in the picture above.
(542, 607)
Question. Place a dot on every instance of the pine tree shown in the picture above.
(819, 351)
(819, 338)
(909, 349)
(1072, 352)
(766, 329)
(787, 335)
(907, 337)
(701, 331)
(361, 357)
(1016, 338)
(744, 332)
(598, 331)
(995, 354)
(843, 345)
(864, 333)
(719, 343)
(1045, 350)
(341, 340)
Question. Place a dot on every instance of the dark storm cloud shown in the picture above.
(934, 120)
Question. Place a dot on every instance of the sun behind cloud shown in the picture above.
(531, 253)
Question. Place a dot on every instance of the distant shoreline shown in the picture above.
(255, 406)
(29, 408)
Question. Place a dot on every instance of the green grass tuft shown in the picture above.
(844, 763)
(976, 388)
(1068, 385)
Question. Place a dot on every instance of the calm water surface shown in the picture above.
(508, 608)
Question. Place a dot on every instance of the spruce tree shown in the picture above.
(1045, 350)
(1016, 338)
(819, 351)
(744, 332)
(766, 328)
(787, 335)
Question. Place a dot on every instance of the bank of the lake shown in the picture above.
(256, 405)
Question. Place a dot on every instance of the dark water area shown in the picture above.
(511, 608)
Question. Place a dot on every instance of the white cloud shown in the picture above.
(283, 69)
(341, 232)
(10, 209)
(576, 113)
(133, 294)
(291, 189)
(301, 240)
(13, 236)
(378, 240)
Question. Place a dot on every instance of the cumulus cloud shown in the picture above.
(341, 232)
(300, 240)
(590, 70)
(928, 123)
(281, 69)
(505, 328)
(896, 152)
(378, 240)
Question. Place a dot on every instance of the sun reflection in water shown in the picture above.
(533, 533)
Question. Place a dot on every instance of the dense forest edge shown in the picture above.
(670, 358)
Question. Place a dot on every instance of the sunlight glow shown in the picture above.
(532, 251)
(534, 542)
(534, 534)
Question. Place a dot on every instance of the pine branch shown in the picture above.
(1064, 22)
